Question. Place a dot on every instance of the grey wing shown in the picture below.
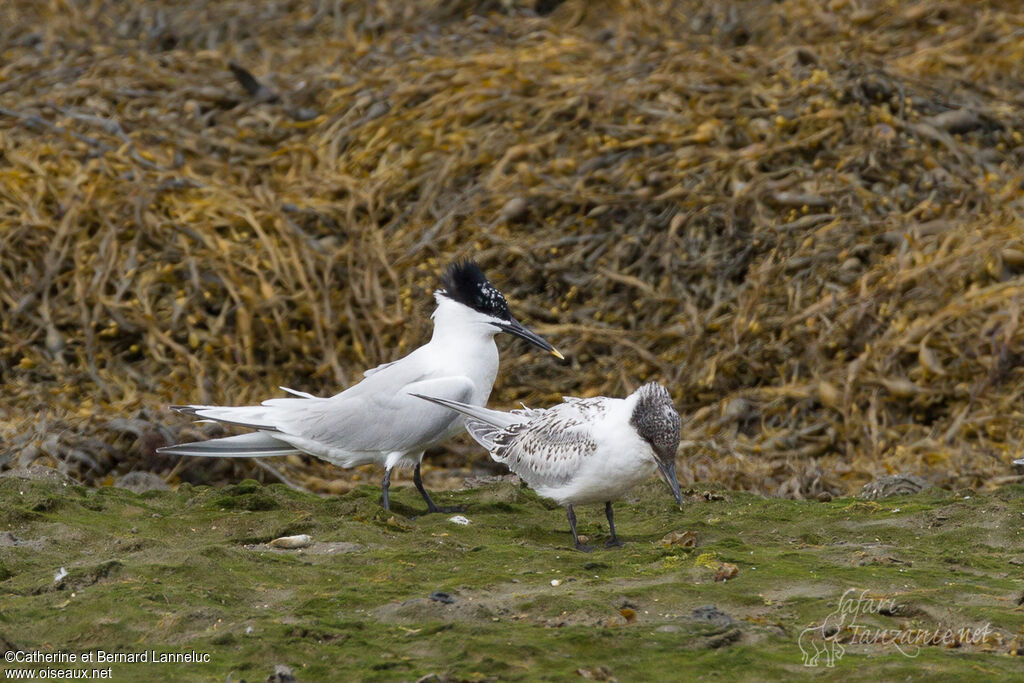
(549, 448)
(382, 366)
(385, 420)
(290, 415)
(595, 406)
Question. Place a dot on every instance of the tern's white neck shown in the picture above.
(463, 344)
(455, 323)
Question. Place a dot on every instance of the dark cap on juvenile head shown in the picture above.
(465, 283)
(657, 422)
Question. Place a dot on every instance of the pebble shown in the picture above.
(300, 541)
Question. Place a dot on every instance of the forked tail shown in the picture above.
(483, 424)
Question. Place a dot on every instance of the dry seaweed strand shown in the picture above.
(805, 219)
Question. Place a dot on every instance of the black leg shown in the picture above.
(418, 480)
(431, 507)
(613, 542)
(384, 486)
(575, 536)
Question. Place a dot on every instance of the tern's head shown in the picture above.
(464, 284)
(657, 422)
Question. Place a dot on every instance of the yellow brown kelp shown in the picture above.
(803, 217)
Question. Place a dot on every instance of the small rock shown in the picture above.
(556, 582)
(38, 473)
(956, 121)
(140, 482)
(442, 597)
(282, 674)
(9, 540)
(874, 556)
(852, 263)
(884, 132)
(598, 673)
(303, 114)
(722, 639)
(737, 409)
(1013, 257)
(895, 485)
(395, 523)
(726, 571)
(798, 200)
(683, 539)
(712, 615)
(377, 109)
(806, 56)
(514, 210)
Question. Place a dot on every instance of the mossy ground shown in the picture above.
(189, 570)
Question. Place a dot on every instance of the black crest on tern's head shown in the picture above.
(465, 283)
(656, 420)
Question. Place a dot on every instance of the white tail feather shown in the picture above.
(296, 392)
(254, 445)
(483, 424)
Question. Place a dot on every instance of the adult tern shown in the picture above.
(378, 420)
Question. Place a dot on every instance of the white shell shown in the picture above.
(300, 541)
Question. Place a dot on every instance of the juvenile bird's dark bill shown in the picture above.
(668, 473)
(517, 328)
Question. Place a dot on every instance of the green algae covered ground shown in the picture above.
(176, 572)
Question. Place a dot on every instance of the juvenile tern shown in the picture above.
(585, 450)
(377, 420)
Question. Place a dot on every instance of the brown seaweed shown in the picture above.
(802, 217)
